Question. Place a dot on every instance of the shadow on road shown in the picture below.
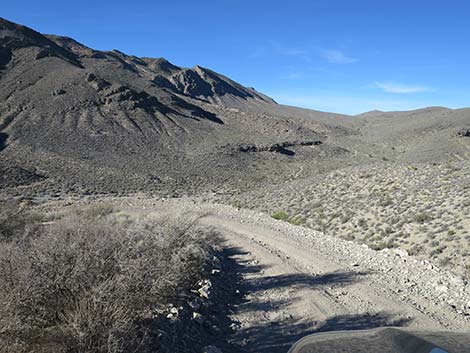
(277, 336)
(303, 280)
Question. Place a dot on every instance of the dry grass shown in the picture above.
(81, 286)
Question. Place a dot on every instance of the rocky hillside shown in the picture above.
(421, 208)
(75, 119)
(108, 121)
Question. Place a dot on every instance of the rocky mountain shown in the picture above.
(79, 115)
(78, 119)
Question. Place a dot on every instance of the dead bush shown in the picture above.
(79, 287)
(95, 211)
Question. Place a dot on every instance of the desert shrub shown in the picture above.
(80, 287)
(362, 222)
(237, 204)
(345, 218)
(379, 246)
(349, 237)
(297, 221)
(445, 261)
(386, 201)
(280, 215)
(415, 250)
(16, 219)
(437, 250)
(95, 211)
(421, 218)
(422, 229)
(365, 176)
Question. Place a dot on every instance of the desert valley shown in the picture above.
(151, 207)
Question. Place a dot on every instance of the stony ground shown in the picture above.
(278, 282)
(365, 220)
(421, 208)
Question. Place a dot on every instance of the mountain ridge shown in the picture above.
(106, 121)
(76, 113)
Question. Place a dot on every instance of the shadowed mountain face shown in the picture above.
(82, 115)
(107, 121)
(51, 78)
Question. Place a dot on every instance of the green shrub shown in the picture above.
(280, 215)
(379, 246)
(297, 221)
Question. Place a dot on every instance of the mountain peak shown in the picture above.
(198, 82)
(14, 36)
(161, 64)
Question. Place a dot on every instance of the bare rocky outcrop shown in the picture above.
(18, 176)
(464, 133)
(278, 147)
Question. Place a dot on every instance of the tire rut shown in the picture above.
(298, 290)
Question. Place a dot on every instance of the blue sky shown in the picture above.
(346, 56)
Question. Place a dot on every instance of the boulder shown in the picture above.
(58, 92)
(464, 133)
(198, 318)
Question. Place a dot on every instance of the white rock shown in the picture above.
(198, 318)
(441, 288)
(401, 252)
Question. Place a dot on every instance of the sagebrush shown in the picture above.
(76, 286)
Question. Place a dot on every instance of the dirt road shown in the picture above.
(296, 282)
(292, 281)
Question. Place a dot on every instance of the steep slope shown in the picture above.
(110, 121)
(197, 82)
(100, 121)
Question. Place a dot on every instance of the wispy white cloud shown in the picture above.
(399, 88)
(337, 57)
(292, 76)
(271, 47)
(287, 50)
